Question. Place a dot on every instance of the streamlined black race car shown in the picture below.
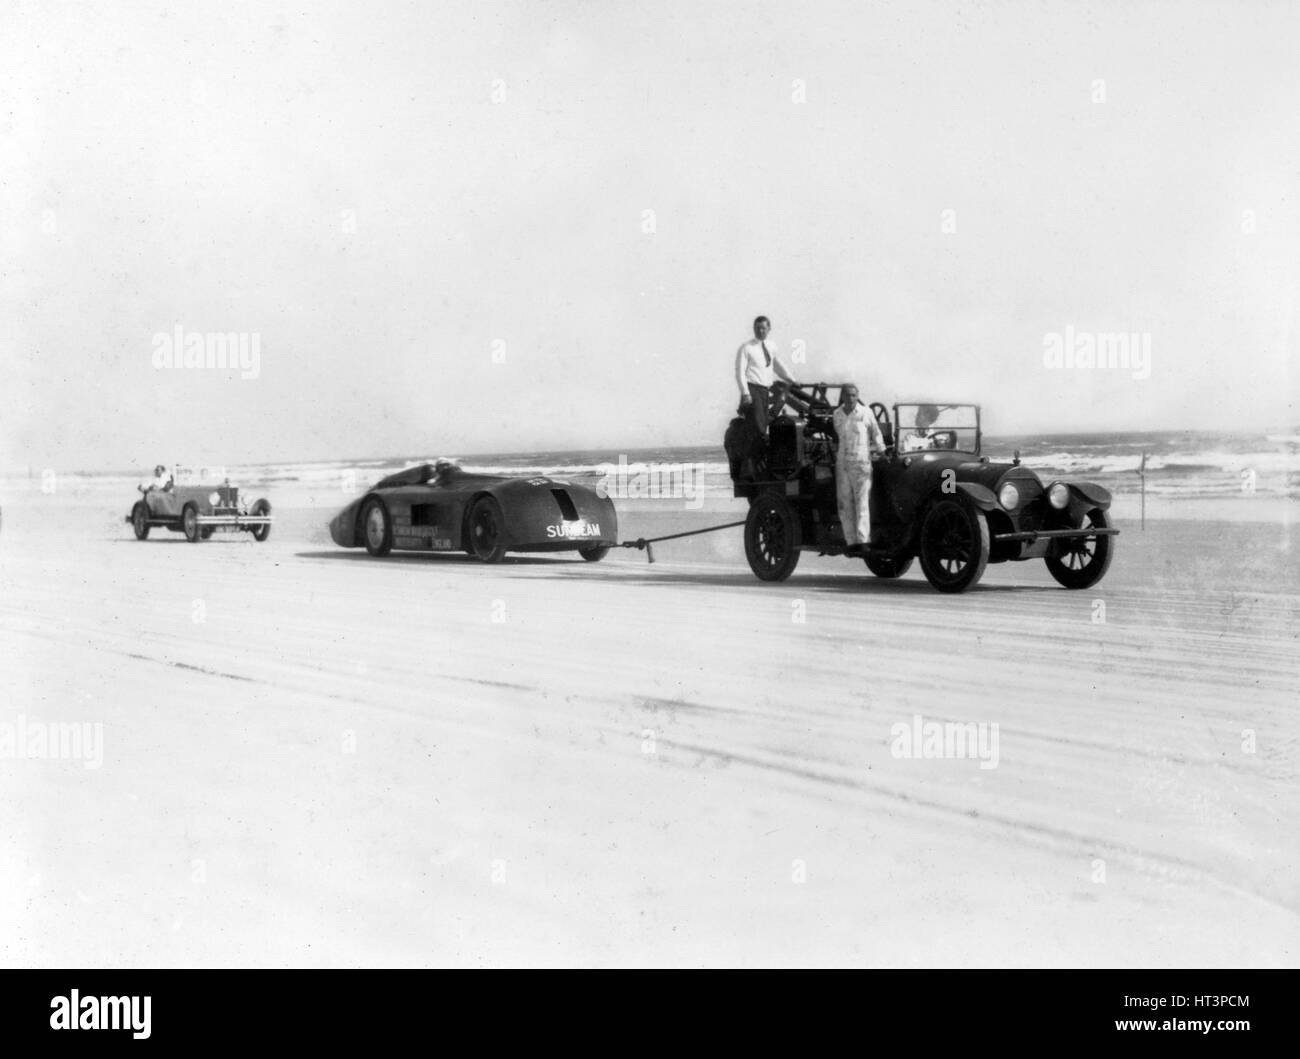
(933, 496)
(443, 509)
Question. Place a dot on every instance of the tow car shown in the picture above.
(934, 496)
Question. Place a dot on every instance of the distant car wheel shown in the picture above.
(1080, 562)
(487, 530)
(772, 538)
(206, 531)
(595, 553)
(140, 521)
(376, 527)
(190, 524)
(954, 545)
(261, 507)
(883, 566)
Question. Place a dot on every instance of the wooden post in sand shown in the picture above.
(1142, 472)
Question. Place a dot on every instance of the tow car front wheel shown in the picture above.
(954, 545)
(772, 538)
(1080, 562)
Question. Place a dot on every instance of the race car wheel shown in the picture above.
(1080, 562)
(140, 521)
(376, 527)
(190, 524)
(487, 530)
(772, 538)
(954, 545)
(206, 531)
(595, 553)
(261, 507)
(885, 566)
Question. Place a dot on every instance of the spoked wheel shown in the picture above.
(595, 553)
(1080, 562)
(954, 545)
(772, 538)
(376, 527)
(260, 533)
(140, 521)
(887, 566)
(487, 530)
(190, 524)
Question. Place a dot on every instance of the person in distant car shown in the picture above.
(921, 438)
(860, 442)
(162, 481)
(757, 369)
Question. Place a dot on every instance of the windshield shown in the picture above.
(937, 426)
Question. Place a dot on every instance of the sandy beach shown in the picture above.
(311, 757)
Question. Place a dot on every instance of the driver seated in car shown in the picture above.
(162, 481)
(444, 471)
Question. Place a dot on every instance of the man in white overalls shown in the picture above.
(860, 443)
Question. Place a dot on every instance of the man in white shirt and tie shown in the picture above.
(860, 442)
(757, 369)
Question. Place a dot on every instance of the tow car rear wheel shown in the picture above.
(261, 507)
(772, 538)
(376, 527)
(190, 524)
(487, 530)
(1080, 562)
(954, 545)
(140, 521)
(595, 553)
(887, 566)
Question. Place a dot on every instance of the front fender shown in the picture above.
(979, 495)
(1088, 495)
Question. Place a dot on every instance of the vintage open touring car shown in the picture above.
(440, 508)
(197, 503)
(934, 497)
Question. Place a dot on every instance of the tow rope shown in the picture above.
(643, 543)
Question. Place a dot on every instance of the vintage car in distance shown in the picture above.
(934, 497)
(440, 508)
(198, 504)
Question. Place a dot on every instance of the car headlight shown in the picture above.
(214, 499)
(1009, 496)
(1059, 496)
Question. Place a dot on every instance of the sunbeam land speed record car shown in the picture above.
(444, 509)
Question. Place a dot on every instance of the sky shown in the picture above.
(475, 227)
